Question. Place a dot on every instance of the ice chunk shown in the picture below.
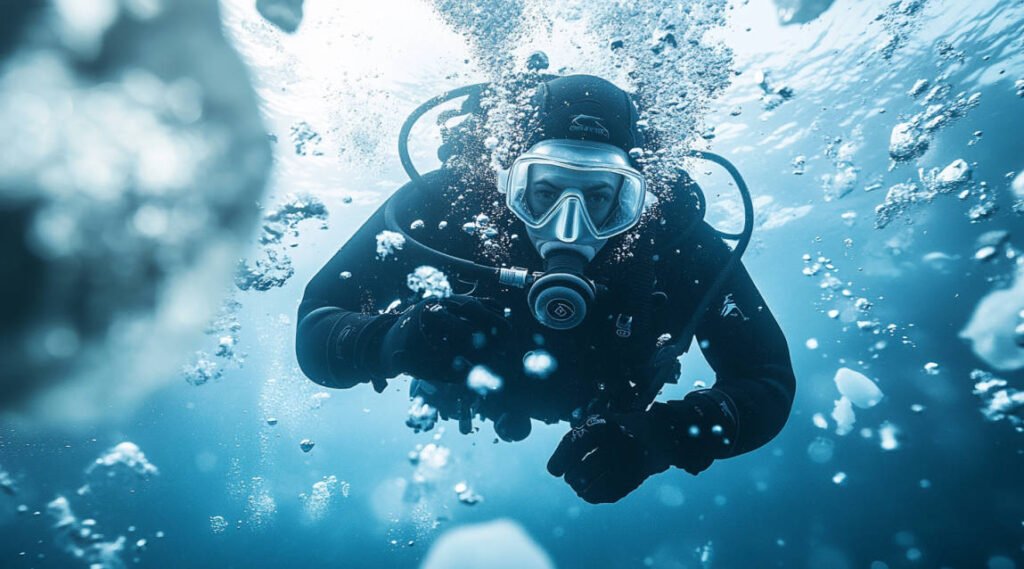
(839, 478)
(125, 455)
(388, 242)
(499, 544)
(931, 368)
(898, 200)
(1018, 185)
(951, 178)
(466, 494)
(844, 416)
(133, 183)
(429, 281)
(540, 364)
(857, 388)
(422, 416)
(999, 402)
(306, 445)
(958, 172)
(906, 142)
(483, 380)
(991, 329)
(819, 421)
(887, 435)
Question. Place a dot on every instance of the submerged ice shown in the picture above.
(130, 191)
(127, 456)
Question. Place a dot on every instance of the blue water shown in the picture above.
(948, 493)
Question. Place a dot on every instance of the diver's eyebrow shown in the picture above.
(598, 186)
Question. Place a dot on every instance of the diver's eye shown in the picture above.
(543, 194)
(597, 199)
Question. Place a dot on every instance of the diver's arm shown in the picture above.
(743, 343)
(741, 340)
(336, 343)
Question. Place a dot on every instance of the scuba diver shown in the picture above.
(575, 262)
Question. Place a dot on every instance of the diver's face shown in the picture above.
(547, 182)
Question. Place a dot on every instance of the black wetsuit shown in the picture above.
(616, 361)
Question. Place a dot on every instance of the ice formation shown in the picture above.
(844, 416)
(466, 495)
(429, 282)
(483, 380)
(540, 364)
(856, 387)
(499, 544)
(422, 417)
(887, 436)
(123, 245)
(126, 455)
(911, 138)
(903, 196)
(999, 402)
(992, 328)
(388, 242)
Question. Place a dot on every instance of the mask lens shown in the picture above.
(611, 198)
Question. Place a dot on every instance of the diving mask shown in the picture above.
(574, 191)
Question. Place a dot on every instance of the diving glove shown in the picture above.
(440, 339)
(606, 457)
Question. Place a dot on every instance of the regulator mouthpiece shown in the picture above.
(560, 298)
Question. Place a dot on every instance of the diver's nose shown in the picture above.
(568, 220)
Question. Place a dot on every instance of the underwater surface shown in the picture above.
(154, 413)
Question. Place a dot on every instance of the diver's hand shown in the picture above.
(603, 460)
(440, 339)
(609, 456)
